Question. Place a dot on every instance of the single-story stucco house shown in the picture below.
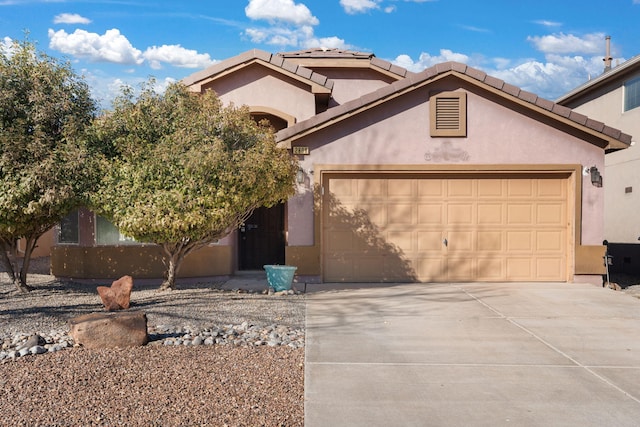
(447, 175)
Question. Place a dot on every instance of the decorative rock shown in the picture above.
(33, 341)
(107, 330)
(118, 296)
(37, 349)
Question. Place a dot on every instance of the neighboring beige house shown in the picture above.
(447, 175)
(614, 98)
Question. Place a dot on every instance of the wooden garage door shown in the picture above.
(439, 228)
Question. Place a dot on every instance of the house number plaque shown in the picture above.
(301, 150)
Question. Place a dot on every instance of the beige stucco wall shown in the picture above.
(398, 134)
(261, 86)
(352, 83)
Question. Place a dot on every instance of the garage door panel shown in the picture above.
(370, 188)
(460, 268)
(520, 213)
(520, 241)
(550, 241)
(430, 214)
(430, 269)
(548, 268)
(550, 214)
(490, 241)
(490, 213)
(430, 241)
(340, 241)
(490, 268)
(458, 188)
(460, 241)
(460, 213)
(497, 228)
(401, 188)
(403, 240)
(520, 269)
(431, 188)
(400, 214)
(554, 188)
(520, 188)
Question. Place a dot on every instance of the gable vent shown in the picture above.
(449, 114)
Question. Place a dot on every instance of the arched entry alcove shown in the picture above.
(261, 240)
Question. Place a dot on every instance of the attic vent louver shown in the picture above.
(449, 114)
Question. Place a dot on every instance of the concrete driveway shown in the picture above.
(526, 354)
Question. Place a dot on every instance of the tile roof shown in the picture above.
(321, 52)
(615, 136)
(324, 53)
(259, 55)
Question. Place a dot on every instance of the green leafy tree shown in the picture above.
(182, 171)
(44, 167)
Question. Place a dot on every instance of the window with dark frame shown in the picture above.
(632, 94)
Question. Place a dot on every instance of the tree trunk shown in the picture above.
(174, 255)
(9, 248)
(169, 282)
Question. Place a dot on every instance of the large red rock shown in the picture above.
(108, 330)
(118, 296)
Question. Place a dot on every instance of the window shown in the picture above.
(632, 94)
(108, 234)
(68, 229)
(448, 114)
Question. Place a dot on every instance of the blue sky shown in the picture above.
(546, 46)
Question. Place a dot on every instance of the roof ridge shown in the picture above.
(261, 55)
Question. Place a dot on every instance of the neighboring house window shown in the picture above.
(632, 94)
(108, 234)
(68, 229)
(448, 114)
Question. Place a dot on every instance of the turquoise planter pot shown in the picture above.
(280, 277)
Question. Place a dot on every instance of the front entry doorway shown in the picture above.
(261, 239)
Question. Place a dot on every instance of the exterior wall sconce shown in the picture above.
(596, 178)
(300, 176)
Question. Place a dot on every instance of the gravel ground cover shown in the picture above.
(176, 383)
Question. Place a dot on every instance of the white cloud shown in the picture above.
(390, 9)
(359, 6)
(328, 42)
(177, 56)
(549, 78)
(109, 47)
(70, 18)
(280, 11)
(425, 60)
(561, 43)
(547, 23)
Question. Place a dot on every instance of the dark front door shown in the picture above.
(262, 239)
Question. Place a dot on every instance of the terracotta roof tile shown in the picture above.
(528, 96)
(494, 82)
(545, 103)
(459, 67)
(277, 60)
(561, 110)
(595, 125)
(476, 74)
(511, 89)
(578, 118)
